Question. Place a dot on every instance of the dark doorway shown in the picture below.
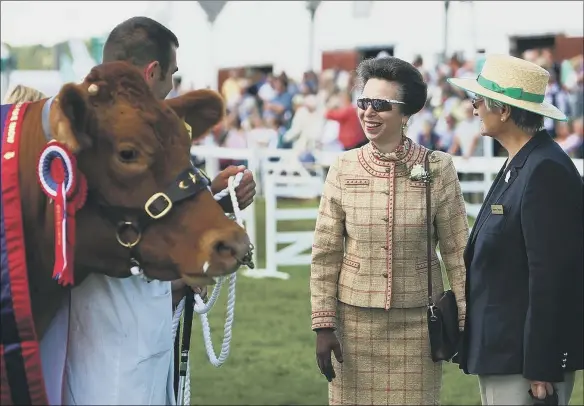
(519, 45)
(372, 52)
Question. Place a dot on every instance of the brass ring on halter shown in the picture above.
(124, 225)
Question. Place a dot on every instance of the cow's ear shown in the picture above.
(201, 109)
(69, 118)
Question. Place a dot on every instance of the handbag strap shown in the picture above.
(429, 227)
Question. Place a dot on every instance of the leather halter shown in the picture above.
(187, 185)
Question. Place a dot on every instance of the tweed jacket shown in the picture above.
(370, 239)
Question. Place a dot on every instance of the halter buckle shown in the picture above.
(151, 201)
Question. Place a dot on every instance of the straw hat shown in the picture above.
(513, 81)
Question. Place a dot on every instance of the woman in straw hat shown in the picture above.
(524, 324)
(370, 255)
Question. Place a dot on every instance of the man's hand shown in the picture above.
(245, 192)
(541, 389)
(201, 291)
(180, 289)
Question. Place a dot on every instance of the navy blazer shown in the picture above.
(524, 287)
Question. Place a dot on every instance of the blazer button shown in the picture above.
(387, 170)
(385, 192)
(385, 275)
(385, 219)
(384, 247)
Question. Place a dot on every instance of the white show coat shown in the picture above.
(120, 347)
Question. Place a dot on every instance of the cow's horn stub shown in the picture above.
(93, 89)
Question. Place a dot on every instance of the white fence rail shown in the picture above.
(288, 178)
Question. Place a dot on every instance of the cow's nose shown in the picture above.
(236, 247)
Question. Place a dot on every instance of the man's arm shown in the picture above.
(549, 217)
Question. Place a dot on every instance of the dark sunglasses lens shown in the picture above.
(363, 103)
(381, 105)
(377, 104)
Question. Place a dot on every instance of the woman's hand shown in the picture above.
(326, 341)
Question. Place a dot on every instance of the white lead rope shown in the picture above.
(202, 308)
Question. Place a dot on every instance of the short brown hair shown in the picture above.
(139, 41)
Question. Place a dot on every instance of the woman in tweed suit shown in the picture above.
(368, 277)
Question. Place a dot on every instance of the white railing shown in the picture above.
(289, 178)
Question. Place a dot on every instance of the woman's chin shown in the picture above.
(373, 136)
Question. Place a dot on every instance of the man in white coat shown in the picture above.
(120, 347)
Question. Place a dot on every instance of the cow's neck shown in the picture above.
(46, 294)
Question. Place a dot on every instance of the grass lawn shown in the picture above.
(272, 359)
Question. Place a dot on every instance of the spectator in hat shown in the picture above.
(525, 324)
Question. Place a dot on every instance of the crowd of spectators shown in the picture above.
(318, 112)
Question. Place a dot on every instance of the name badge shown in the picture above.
(497, 209)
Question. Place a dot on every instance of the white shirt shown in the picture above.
(120, 347)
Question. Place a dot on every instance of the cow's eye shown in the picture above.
(128, 155)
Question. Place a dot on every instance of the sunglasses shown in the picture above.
(378, 105)
(475, 102)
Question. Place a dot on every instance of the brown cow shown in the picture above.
(130, 146)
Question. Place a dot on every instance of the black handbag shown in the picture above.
(443, 332)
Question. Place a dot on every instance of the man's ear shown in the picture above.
(201, 109)
(68, 118)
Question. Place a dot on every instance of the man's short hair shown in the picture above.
(139, 41)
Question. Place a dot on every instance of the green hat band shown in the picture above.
(516, 93)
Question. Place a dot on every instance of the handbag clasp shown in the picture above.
(431, 307)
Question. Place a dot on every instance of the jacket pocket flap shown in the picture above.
(356, 183)
(421, 265)
(350, 263)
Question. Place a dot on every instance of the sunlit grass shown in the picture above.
(272, 359)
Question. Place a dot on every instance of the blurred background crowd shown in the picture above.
(267, 110)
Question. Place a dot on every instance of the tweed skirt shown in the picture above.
(386, 358)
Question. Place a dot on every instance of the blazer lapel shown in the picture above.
(510, 175)
(481, 217)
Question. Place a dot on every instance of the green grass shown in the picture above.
(272, 359)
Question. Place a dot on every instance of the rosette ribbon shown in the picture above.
(66, 188)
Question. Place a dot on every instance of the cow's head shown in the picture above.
(134, 152)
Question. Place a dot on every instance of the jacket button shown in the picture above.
(385, 219)
(385, 275)
(385, 192)
(384, 247)
(387, 170)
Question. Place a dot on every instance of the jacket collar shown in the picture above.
(401, 160)
(519, 159)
